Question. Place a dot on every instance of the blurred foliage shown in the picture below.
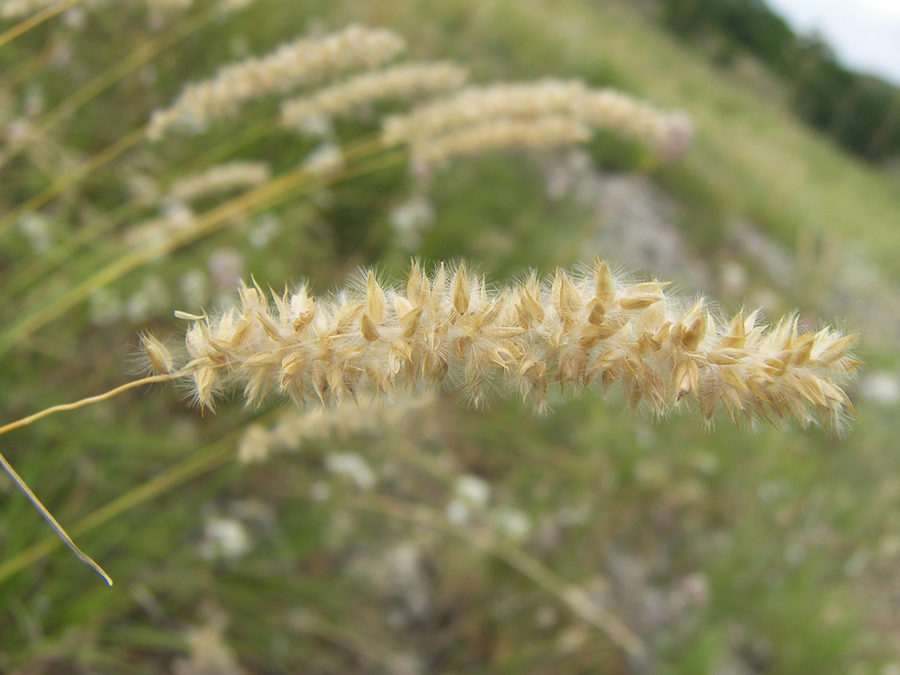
(728, 552)
(859, 111)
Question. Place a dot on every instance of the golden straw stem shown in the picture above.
(35, 20)
(203, 460)
(22, 279)
(51, 521)
(25, 421)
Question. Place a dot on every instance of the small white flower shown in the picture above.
(264, 230)
(151, 298)
(512, 523)
(104, 307)
(410, 219)
(882, 388)
(473, 490)
(226, 265)
(353, 466)
(193, 288)
(254, 445)
(458, 512)
(325, 160)
(224, 538)
(317, 125)
(37, 229)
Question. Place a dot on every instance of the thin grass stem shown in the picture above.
(51, 521)
(19, 281)
(233, 143)
(35, 20)
(25, 421)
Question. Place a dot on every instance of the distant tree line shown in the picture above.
(861, 112)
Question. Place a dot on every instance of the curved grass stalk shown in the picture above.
(39, 268)
(221, 452)
(31, 419)
(226, 148)
(51, 521)
(209, 222)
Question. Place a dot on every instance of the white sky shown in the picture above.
(865, 34)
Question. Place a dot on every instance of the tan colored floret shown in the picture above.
(158, 355)
(571, 331)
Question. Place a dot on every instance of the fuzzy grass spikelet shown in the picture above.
(220, 178)
(571, 331)
(291, 65)
(479, 104)
(158, 355)
(541, 132)
(431, 124)
(397, 82)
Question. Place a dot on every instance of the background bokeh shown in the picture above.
(429, 536)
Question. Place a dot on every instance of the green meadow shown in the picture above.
(429, 535)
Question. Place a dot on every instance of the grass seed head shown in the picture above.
(572, 330)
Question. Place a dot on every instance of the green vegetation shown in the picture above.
(859, 111)
(476, 540)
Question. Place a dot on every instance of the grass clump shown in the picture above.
(426, 535)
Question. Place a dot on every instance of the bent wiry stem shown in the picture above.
(25, 421)
(51, 521)
(23, 486)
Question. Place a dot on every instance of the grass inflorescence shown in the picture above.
(235, 141)
(569, 331)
